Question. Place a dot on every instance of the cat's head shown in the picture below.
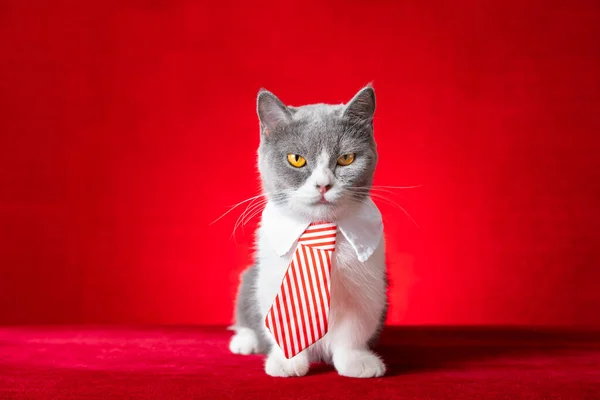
(317, 161)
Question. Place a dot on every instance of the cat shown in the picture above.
(316, 163)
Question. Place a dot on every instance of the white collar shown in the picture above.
(363, 229)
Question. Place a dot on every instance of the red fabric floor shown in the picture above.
(182, 363)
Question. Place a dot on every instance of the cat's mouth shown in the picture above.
(323, 202)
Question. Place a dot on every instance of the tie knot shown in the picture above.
(320, 235)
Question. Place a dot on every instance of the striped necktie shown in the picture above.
(298, 316)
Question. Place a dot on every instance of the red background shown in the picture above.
(127, 127)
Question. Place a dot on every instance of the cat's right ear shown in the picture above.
(272, 113)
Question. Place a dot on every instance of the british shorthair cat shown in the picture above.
(316, 164)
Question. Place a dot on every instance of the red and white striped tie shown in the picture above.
(298, 316)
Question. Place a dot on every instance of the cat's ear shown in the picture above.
(272, 113)
(362, 106)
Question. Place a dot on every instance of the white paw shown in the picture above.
(358, 364)
(278, 365)
(244, 342)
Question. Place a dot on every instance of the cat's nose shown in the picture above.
(323, 188)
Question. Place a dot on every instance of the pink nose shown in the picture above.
(323, 188)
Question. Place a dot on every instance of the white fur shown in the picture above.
(358, 363)
(304, 202)
(244, 341)
(277, 365)
(358, 295)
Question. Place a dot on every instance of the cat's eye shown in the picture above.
(296, 161)
(346, 159)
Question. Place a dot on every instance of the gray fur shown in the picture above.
(246, 307)
(310, 131)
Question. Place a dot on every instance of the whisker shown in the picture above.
(256, 203)
(398, 187)
(235, 206)
(399, 206)
(364, 189)
(241, 216)
(248, 210)
(257, 207)
(256, 212)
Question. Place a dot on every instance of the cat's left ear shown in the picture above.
(362, 106)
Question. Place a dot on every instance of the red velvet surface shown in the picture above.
(180, 363)
(127, 126)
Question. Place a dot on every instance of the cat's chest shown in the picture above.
(348, 274)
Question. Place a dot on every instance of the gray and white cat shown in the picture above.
(316, 164)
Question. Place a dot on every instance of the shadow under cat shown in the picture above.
(407, 350)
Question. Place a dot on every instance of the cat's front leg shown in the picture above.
(358, 363)
(351, 355)
(277, 365)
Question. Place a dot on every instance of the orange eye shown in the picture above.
(296, 161)
(346, 159)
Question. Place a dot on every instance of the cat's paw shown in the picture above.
(358, 363)
(278, 365)
(244, 342)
